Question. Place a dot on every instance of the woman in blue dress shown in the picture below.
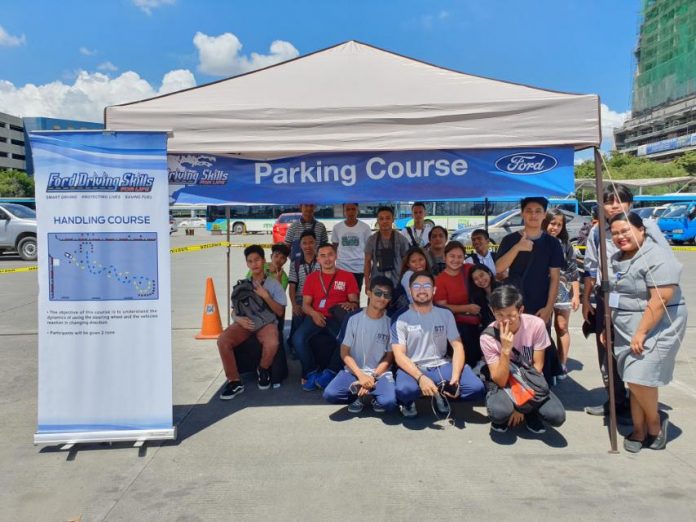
(649, 317)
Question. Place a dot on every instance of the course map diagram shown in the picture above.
(103, 266)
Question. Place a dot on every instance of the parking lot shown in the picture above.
(284, 454)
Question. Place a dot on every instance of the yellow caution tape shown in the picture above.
(20, 269)
(206, 246)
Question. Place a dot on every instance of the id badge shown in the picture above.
(614, 300)
(322, 303)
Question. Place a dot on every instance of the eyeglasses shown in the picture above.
(424, 286)
(381, 293)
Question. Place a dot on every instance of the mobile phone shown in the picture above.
(447, 387)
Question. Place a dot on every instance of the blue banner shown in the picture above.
(371, 176)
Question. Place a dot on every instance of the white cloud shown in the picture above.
(428, 21)
(610, 120)
(87, 52)
(221, 55)
(148, 5)
(8, 40)
(86, 98)
(107, 66)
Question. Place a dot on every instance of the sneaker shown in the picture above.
(311, 382)
(409, 410)
(356, 406)
(623, 412)
(377, 407)
(633, 446)
(325, 378)
(231, 390)
(534, 423)
(564, 372)
(441, 405)
(264, 381)
(499, 428)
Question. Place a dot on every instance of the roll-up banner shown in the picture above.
(105, 367)
(373, 176)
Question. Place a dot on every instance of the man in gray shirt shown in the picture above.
(273, 296)
(385, 249)
(419, 338)
(366, 353)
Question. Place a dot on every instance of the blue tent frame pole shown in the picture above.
(604, 287)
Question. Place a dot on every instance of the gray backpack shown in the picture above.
(247, 303)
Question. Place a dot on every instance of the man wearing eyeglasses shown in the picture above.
(419, 338)
(366, 353)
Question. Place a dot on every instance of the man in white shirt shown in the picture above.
(350, 237)
(417, 234)
(482, 255)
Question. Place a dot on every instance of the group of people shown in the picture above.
(444, 325)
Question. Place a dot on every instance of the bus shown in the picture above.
(452, 214)
(260, 218)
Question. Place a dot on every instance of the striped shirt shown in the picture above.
(296, 229)
(298, 275)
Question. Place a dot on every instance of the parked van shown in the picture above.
(678, 223)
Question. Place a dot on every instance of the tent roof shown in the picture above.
(355, 97)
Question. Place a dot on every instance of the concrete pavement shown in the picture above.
(284, 454)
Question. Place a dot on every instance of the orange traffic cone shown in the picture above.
(212, 326)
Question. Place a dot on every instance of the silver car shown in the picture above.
(511, 221)
(18, 230)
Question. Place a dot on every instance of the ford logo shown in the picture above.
(526, 163)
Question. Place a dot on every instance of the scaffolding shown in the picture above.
(666, 54)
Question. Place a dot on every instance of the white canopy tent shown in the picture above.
(355, 97)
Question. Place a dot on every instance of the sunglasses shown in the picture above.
(381, 293)
(424, 286)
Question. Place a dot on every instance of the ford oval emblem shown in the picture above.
(526, 163)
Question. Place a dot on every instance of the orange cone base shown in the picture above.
(211, 327)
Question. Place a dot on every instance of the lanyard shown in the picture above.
(323, 286)
(311, 267)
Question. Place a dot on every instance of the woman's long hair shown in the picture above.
(554, 212)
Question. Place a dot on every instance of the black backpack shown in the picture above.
(247, 303)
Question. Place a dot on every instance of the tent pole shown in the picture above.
(485, 213)
(227, 272)
(599, 187)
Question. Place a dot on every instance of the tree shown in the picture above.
(15, 183)
(687, 162)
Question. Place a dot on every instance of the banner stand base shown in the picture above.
(138, 437)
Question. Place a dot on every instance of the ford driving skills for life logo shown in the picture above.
(526, 163)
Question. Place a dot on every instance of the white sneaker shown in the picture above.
(356, 406)
(441, 405)
(409, 410)
(376, 407)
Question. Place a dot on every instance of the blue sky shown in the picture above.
(82, 55)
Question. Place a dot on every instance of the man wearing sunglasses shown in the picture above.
(366, 353)
(419, 338)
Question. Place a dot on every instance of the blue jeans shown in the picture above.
(338, 391)
(303, 335)
(470, 387)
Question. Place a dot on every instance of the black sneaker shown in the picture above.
(499, 428)
(231, 390)
(534, 423)
(264, 381)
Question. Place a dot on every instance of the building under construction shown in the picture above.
(663, 121)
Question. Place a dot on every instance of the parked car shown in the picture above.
(511, 221)
(18, 230)
(192, 223)
(678, 223)
(280, 227)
